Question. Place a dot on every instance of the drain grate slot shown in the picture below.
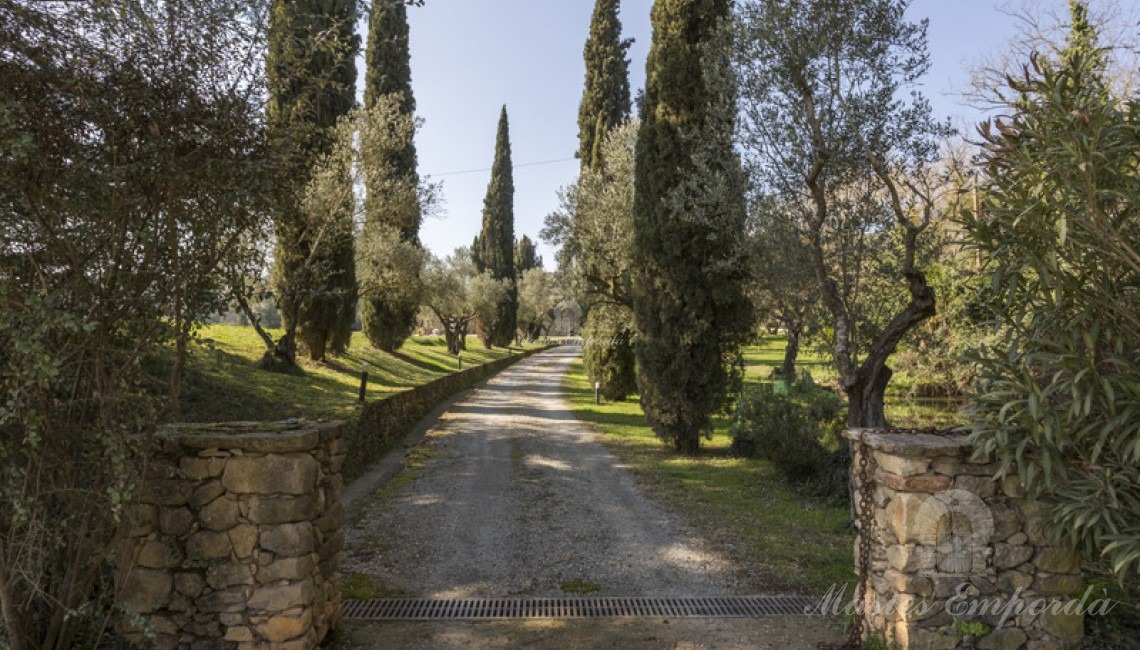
(439, 609)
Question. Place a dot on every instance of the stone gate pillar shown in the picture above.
(959, 559)
(235, 538)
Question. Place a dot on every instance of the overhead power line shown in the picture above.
(516, 166)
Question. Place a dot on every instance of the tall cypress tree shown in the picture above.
(526, 256)
(606, 104)
(386, 319)
(605, 98)
(689, 304)
(311, 70)
(496, 243)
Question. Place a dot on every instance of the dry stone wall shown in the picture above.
(236, 538)
(959, 559)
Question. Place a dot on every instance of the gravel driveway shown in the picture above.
(517, 499)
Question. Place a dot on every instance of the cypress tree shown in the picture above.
(387, 320)
(526, 256)
(496, 243)
(311, 70)
(605, 104)
(690, 308)
(605, 98)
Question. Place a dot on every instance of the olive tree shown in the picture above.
(833, 125)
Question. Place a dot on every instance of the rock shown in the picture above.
(1008, 557)
(281, 509)
(140, 519)
(175, 521)
(243, 537)
(910, 558)
(207, 545)
(280, 597)
(156, 554)
(982, 486)
(238, 633)
(1007, 524)
(288, 540)
(164, 492)
(189, 583)
(927, 483)
(1011, 581)
(1063, 622)
(1061, 584)
(229, 600)
(901, 465)
(198, 469)
(913, 521)
(1052, 559)
(220, 514)
(290, 568)
(289, 474)
(285, 627)
(1012, 487)
(1009, 638)
(206, 493)
(221, 576)
(146, 591)
(1017, 539)
(921, 445)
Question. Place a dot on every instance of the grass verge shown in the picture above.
(224, 383)
(790, 543)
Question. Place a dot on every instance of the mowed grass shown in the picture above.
(901, 411)
(792, 543)
(223, 381)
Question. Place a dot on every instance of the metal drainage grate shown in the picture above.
(470, 609)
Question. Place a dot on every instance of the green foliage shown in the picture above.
(1058, 401)
(393, 197)
(605, 97)
(526, 256)
(608, 350)
(495, 247)
(790, 430)
(827, 132)
(975, 629)
(536, 302)
(688, 260)
(133, 177)
(311, 71)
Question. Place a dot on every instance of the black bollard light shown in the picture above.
(459, 359)
(363, 380)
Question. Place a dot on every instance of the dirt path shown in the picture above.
(516, 498)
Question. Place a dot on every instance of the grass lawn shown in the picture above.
(794, 544)
(767, 355)
(223, 381)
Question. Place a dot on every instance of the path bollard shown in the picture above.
(459, 359)
(363, 380)
(597, 394)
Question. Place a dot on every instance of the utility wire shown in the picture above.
(516, 166)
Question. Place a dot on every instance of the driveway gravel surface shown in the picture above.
(512, 496)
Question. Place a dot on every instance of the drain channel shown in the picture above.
(471, 609)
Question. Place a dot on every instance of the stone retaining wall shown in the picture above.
(382, 421)
(235, 538)
(960, 560)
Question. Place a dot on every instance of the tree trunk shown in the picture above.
(791, 353)
(8, 610)
(451, 336)
(865, 399)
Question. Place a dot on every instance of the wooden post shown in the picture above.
(363, 380)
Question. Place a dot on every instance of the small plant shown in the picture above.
(358, 586)
(976, 629)
(579, 586)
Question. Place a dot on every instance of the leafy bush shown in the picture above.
(791, 431)
(1058, 401)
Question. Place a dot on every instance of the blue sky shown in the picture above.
(469, 57)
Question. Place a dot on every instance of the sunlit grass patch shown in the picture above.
(793, 543)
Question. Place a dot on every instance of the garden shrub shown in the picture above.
(791, 431)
